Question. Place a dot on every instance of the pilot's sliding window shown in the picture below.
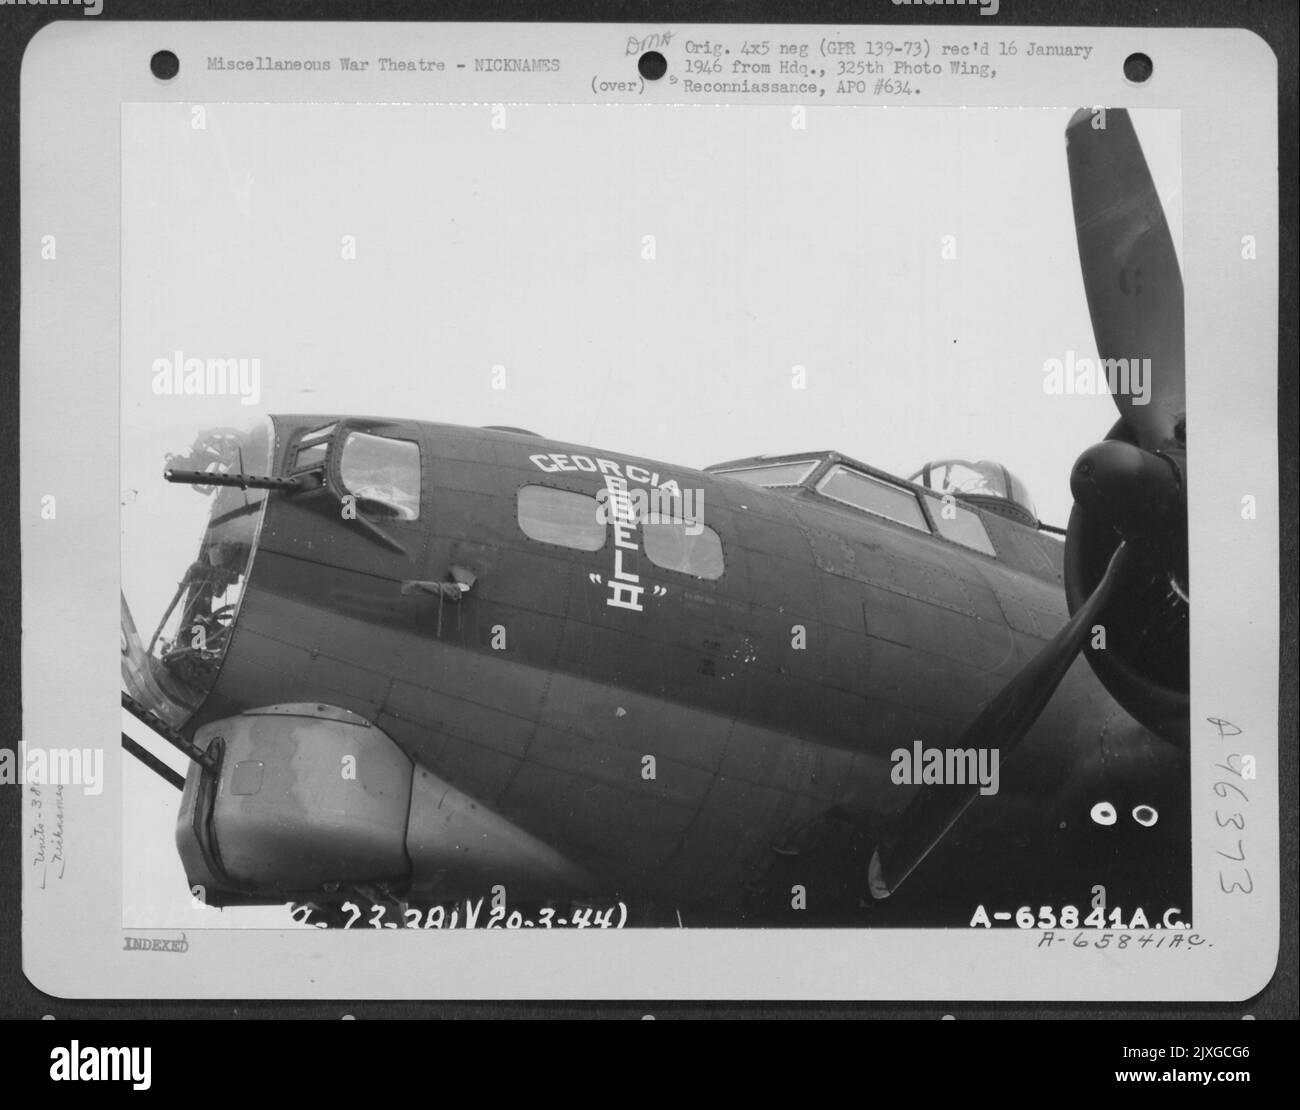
(383, 474)
(561, 517)
(851, 487)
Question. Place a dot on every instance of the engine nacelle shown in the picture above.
(1144, 663)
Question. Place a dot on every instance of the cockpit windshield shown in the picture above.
(184, 654)
(778, 475)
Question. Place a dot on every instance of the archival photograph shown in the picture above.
(606, 516)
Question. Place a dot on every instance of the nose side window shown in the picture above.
(561, 517)
(689, 548)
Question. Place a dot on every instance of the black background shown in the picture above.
(1275, 22)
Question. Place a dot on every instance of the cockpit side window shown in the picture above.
(383, 474)
(961, 525)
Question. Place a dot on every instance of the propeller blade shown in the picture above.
(1002, 724)
(1130, 270)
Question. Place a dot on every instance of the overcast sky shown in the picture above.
(774, 247)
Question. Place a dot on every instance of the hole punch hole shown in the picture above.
(165, 65)
(652, 65)
(1138, 68)
(1103, 813)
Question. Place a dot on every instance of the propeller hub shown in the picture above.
(1138, 493)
